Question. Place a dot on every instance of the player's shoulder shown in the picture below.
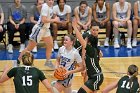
(44, 5)
(67, 6)
(62, 47)
(55, 7)
(86, 34)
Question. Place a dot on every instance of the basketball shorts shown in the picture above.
(66, 82)
(38, 32)
(94, 82)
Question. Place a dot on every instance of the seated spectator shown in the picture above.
(17, 15)
(121, 18)
(136, 22)
(34, 16)
(63, 11)
(101, 15)
(82, 15)
(2, 30)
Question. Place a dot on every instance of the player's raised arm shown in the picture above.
(78, 35)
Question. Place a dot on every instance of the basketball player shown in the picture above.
(121, 18)
(82, 16)
(67, 56)
(127, 84)
(91, 52)
(101, 14)
(26, 78)
(41, 31)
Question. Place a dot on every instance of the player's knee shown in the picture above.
(81, 90)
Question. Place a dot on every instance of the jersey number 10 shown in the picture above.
(27, 80)
(126, 85)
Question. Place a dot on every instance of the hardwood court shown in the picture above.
(113, 69)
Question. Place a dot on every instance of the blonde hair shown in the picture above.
(28, 58)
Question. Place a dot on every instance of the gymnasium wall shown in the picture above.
(28, 3)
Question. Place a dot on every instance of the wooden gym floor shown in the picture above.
(113, 69)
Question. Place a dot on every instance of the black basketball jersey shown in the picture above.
(26, 79)
(124, 85)
(92, 54)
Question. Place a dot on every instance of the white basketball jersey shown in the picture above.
(45, 11)
(83, 17)
(68, 58)
(62, 14)
(122, 14)
(101, 13)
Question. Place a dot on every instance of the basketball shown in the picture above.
(59, 73)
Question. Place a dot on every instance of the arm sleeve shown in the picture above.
(69, 9)
(55, 10)
(24, 12)
(41, 75)
(1, 11)
(9, 11)
(44, 10)
(59, 52)
(78, 57)
(12, 72)
(32, 10)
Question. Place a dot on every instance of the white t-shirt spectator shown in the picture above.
(62, 14)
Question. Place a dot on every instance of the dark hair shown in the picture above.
(72, 38)
(36, 2)
(97, 1)
(28, 58)
(83, 2)
(93, 23)
(133, 71)
(59, 1)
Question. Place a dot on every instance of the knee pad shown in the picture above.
(55, 90)
(81, 90)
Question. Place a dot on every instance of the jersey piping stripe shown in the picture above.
(36, 34)
(96, 82)
(93, 64)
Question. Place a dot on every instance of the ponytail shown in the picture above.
(133, 71)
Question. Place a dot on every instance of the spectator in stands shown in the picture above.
(34, 16)
(101, 15)
(127, 84)
(121, 18)
(17, 16)
(82, 15)
(2, 30)
(63, 11)
(136, 22)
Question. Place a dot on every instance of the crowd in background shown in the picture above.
(100, 12)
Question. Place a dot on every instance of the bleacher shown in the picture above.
(72, 3)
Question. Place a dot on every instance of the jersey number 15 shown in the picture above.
(27, 80)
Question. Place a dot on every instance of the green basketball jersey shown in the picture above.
(26, 79)
(124, 85)
(92, 60)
